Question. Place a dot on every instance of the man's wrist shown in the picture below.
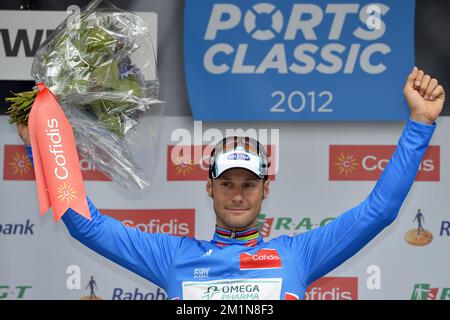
(422, 119)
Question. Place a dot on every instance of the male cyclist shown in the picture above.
(237, 263)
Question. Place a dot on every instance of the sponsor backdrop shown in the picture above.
(321, 168)
(295, 60)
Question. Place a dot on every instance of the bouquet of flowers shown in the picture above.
(101, 67)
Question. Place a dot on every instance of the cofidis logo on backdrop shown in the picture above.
(177, 222)
(367, 162)
(282, 60)
(191, 162)
(333, 288)
(17, 166)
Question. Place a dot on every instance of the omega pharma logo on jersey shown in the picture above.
(282, 60)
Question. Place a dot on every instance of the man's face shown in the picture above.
(237, 195)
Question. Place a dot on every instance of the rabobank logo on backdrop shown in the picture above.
(12, 229)
(285, 60)
(136, 294)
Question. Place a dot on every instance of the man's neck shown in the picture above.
(238, 233)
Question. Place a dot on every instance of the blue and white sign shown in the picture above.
(291, 60)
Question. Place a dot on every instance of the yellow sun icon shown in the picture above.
(20, 163)
(67, 193)
(346, 164)
(183, 166)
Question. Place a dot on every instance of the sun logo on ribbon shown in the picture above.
(183, 166)
(20, 163)
(346, 164)
(66, 193)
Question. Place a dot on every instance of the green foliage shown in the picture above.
(84, 61)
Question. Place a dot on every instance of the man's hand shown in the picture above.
(425, 96)
(24, 134)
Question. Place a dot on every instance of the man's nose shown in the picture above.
(237, 194)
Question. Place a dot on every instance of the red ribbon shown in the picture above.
(56, 164)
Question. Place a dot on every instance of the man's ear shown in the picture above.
(209, 187)
(266, 188)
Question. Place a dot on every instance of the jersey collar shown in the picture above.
(225, 237)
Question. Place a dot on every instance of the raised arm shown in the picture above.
(323, 249)
(149, 255)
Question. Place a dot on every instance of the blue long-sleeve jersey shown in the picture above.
(281, 268)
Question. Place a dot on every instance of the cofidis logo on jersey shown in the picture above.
(263, 259)
(17, 166)
(358, 162)
(178, 222)
(282, 60)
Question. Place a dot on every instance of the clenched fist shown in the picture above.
(425, 96)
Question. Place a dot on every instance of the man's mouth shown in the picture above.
(237, 209)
